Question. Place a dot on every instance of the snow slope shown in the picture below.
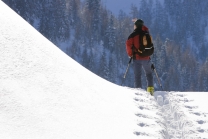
(44, 94)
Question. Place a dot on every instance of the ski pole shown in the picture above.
(153, 67)
(126, 71)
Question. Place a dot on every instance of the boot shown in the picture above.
(150, 89)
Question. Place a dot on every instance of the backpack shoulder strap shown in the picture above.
(141, 40)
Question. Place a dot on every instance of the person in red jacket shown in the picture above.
(139, 62)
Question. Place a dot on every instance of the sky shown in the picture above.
(116, 5)
(45, 94)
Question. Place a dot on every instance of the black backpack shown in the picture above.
(146, 47)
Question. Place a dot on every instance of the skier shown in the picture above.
(133, 44)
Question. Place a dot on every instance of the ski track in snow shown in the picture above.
(147, 115)
(176, 124)
(170, 109)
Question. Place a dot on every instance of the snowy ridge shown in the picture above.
(44, 94)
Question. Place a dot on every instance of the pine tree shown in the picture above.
(160, 24)
(93, 18)
(61, 20)
(145, 12)
(73, 8)
(104, 66)
(205, 76)
(113, 68)
(47, 20)
(134, 11)
(110, 34)
(85, 59)
(103, 22)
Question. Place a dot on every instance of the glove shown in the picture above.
(152, 67)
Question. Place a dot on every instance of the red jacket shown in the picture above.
(133, 40)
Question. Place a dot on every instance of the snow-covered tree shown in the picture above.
(110, 34)
(104, 66)
(134, 13)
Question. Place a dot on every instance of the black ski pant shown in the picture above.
(146, 65)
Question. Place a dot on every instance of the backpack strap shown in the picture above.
(141, 43)
(141, 47)
(135, 51)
